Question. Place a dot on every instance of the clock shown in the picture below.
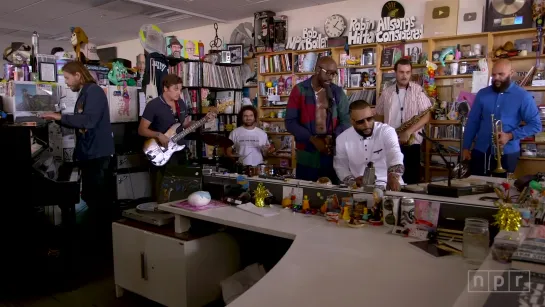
(335, 25)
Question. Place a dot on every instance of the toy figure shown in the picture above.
(306, 203)
(119, 74)
(78, 39)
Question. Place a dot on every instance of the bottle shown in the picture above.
(201, 50)
(35, 51)
(26, 72)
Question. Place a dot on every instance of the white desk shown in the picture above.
(330, 265)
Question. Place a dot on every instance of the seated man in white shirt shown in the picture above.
(368, 141)
(250, 142)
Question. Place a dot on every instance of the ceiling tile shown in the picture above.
(203, 6)
(44, 11)
(10, 6)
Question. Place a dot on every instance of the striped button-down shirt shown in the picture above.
(415, 102)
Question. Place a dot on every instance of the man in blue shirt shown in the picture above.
(509, 103)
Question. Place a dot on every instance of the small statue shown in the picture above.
(306, 203)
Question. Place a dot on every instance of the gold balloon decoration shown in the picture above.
(260, 193)
(507, 218)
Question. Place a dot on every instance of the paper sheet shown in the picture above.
(262, 211)
(479, 81)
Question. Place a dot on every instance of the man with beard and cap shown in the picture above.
(509, 103)
(250, 142)
(317, 112)
(398, 104)
(368, 141)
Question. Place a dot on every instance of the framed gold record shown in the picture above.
(507, 7)
(502, 15)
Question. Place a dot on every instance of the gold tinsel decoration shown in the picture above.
(260, 193)
(507, 218)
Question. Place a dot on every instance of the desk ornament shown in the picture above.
(260, 193)
(508, 217)
(199, 198)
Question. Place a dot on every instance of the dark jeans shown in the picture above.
(97, 192)
(411, 161)
(312, 174)
(483, 164)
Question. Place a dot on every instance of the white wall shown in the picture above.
(297, 20)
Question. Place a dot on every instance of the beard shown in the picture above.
(365, 132)
(502, 87)
(248, 124)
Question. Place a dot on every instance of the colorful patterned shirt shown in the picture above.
(301, 120)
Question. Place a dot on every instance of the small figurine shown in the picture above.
(286, 202)
(323, 209)
(366, 214)
(306, 203)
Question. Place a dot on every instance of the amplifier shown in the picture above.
(133, 185)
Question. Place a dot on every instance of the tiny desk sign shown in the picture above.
(387, 29)
(311, 39)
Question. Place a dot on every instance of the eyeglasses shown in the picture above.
(369, 119)
(329, 73)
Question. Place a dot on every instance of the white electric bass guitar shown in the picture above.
(159, 155)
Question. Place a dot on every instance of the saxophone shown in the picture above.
(404, 126)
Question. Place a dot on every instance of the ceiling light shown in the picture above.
(178, 17)
(159, 14)
(60, 38)
(164, 7)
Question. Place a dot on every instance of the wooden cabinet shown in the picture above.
(170, 270)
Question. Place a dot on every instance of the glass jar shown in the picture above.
(463, 68)
(476, 240)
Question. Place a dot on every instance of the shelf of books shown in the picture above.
(365, 70)
(208, 85)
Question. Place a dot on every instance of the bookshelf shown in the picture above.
(207, 85)
(448, 86)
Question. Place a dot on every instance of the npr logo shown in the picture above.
(498, 281)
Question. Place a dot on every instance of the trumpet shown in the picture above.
(497, 127)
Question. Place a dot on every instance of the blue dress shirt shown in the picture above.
(511, 107)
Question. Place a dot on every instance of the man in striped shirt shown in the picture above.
(317, 108)
(398, 104)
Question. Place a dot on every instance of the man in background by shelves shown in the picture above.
(368, 141)
(159, 115)
(317, 113)
(509, 103)
(399, 103)
(250, 142)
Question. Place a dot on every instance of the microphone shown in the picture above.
(329, 94)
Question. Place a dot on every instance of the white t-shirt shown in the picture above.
(248, 143)
(353, 152)
(398, 102)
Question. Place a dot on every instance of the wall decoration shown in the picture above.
(335, 25)
(123, 102)
(190, 49)
(225, 57)
(236, 51)
(174, 47)
(264, 31)
(310, 39)
(363, 31)
(242, 34)
(393, 9)
(441, 18)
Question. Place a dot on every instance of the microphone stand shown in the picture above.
(440, 148)
(463, 120)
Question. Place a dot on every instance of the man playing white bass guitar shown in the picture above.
(160, 115)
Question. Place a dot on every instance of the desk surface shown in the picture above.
(334, 265)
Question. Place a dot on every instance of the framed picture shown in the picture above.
(237, 53)
(225, 57)
(355, 80)
(48, 72)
